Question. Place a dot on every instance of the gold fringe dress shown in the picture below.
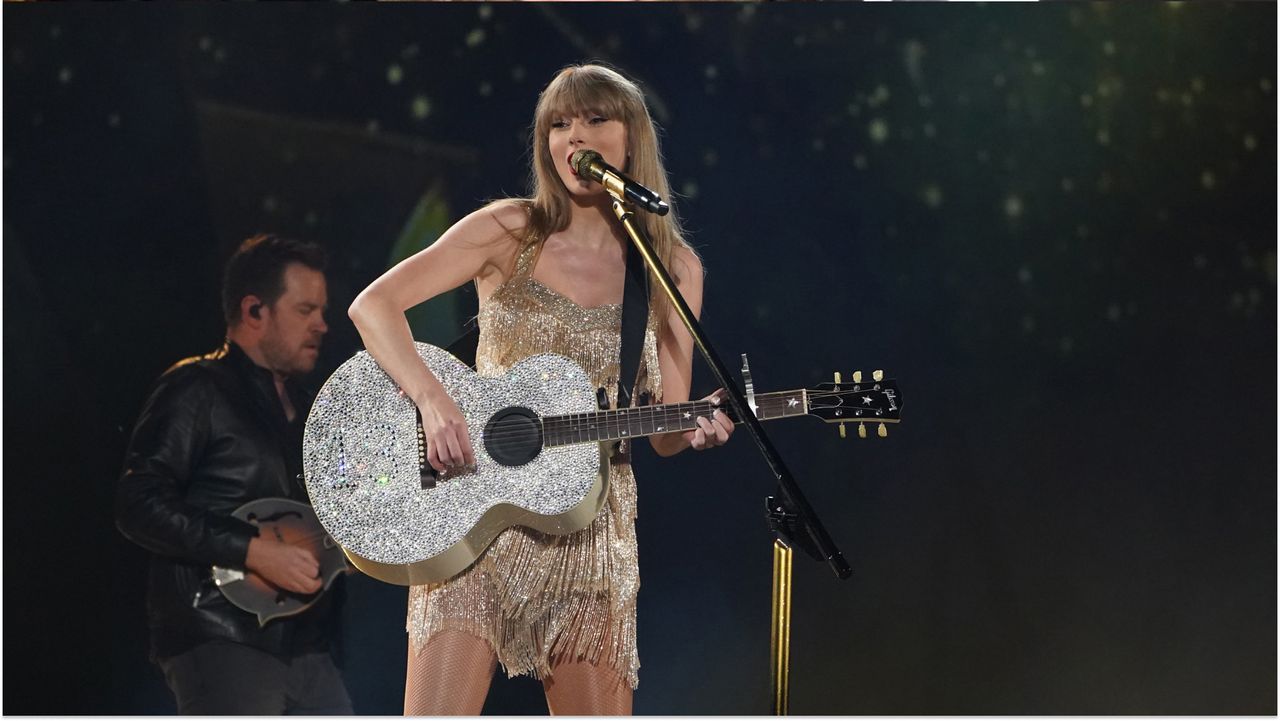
(533, 596)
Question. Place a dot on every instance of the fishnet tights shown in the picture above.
(581, 688)
(450, 677)
(452, 674)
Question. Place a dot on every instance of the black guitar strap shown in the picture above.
(464, 346)
(635, 316)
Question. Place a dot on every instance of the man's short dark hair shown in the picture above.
(257, 268)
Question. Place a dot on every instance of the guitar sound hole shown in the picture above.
(513, 437)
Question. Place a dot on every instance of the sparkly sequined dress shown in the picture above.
(533, 596)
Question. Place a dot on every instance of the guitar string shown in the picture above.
(564, 421)
(568, 431)
(674, 411)
(670, 412)
(573, 423)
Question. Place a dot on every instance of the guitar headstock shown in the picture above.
(875, 400)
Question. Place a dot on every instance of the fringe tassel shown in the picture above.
(538, 598)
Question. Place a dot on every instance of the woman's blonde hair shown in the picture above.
(578, 89)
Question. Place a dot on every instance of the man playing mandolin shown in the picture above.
(218, 432)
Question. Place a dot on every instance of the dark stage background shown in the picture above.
(1055, 225)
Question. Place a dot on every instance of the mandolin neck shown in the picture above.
(612, 425)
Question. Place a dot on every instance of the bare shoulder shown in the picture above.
(490, 237)
(495, 231)
(495, 227)
(687, 266)
(511, 214)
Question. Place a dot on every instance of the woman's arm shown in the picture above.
(477, 246)
(675, 358)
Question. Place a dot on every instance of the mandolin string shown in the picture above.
(307, 538)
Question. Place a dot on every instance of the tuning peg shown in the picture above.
(862, 430)
(857, 376)
(842, 434)
(837, 374)
(877, 375)
(882, 431)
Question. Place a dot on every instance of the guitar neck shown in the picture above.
(612, 425)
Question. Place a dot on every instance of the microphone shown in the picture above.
(589, 164)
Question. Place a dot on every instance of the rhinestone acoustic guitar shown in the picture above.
(541, 447)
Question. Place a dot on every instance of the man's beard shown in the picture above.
(281, 360)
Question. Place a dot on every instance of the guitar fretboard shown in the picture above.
(651, 420)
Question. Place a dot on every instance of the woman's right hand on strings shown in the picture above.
(445, 429)
(476, 249)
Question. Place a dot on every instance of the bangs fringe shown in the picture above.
(582, 91)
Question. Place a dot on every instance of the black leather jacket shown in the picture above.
(211, 437)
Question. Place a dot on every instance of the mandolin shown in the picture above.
(288, 521)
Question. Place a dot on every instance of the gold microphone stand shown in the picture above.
(791, 518)
(780, 636)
